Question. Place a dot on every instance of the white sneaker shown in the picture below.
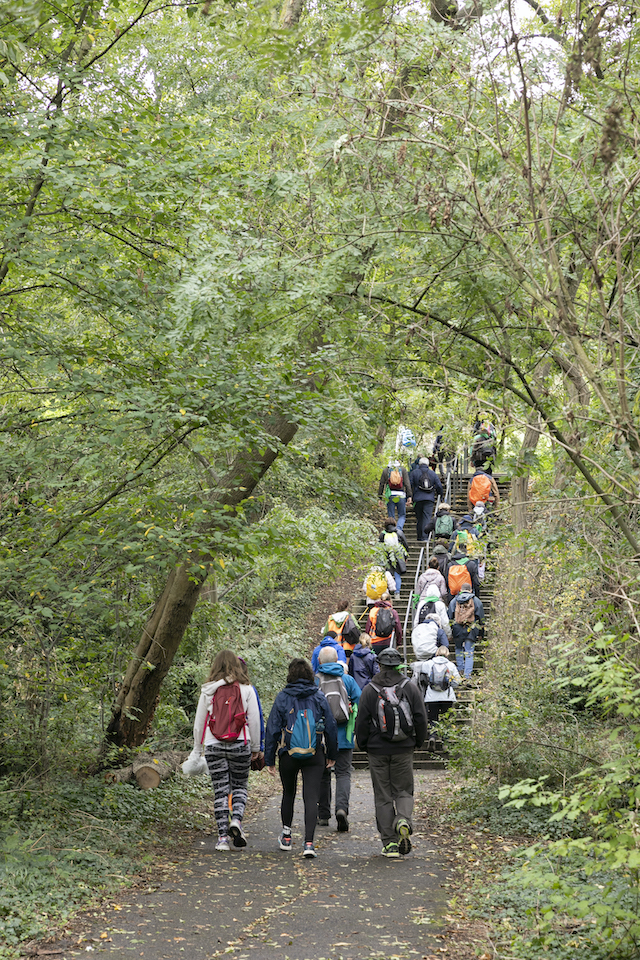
(237, 834)
(223, 843)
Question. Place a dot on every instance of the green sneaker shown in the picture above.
(403, 829)
(391, 850)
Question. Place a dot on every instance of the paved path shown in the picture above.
(260, 903)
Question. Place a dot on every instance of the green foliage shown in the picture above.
(64, 843)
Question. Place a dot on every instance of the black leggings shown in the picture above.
(312, 771)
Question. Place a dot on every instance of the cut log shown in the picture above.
(148, 770)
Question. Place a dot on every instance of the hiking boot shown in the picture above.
(404, 831)
(343, 821)
(431, 744)
(237, 834)
(223, 843)
(309, 850)
(391, 849)
(285, 842)
(322, 822)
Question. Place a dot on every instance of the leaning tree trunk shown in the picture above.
(135, 705)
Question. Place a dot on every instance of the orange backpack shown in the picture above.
(395, 479)
(458, 577)
(480, 489)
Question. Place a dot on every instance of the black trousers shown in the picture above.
(312, 770)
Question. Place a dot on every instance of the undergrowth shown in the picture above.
(65, 843)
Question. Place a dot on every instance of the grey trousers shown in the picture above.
(342, 770)
(392, 779)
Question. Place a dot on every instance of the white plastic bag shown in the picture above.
(195, 765)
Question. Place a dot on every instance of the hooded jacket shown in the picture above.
(285, 700)
(440, 612)
(363, 665)
(252, 727)
(396, 620)
(328, 642)
(353, 692)
(431, 578)
(367, 731)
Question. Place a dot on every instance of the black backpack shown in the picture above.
(426, 610)
(393, 716)
(384, 625)
(424, 483)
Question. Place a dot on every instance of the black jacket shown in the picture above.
(415, 477)
(367, 732)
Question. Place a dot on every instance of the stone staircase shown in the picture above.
(466, 693)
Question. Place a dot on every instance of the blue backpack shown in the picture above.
(299, 737)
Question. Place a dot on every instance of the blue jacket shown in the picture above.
(353, 692)
(363, 665)
(327, 642)
(414, 480)
(300, 690)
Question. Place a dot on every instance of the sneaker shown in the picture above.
(431, 744)
(343, 821)
(391, 849)
(237, 833)
(309, 850)
(322, 822)
(223, 843)
(285, 842)
(404, 831)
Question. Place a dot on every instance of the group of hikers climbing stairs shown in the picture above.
(456, 495)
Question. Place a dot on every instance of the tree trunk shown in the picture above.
(135, 704)
(520, 629)
(520, 483)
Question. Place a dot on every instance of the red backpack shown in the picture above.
(227, 716)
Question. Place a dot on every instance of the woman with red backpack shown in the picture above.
(228, 724)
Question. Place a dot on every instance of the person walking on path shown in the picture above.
(438, 678)
(466, 615)
(300, 709)
(483, 489)
(426, 487)
(392, 706)
(343, 694)
(396, 551)
(330, 640)
(383, 624)
(432, 578)
(363, 663)
(394, 491)
(228, 724)
(344, 626)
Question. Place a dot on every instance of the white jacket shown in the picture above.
(441, 613)
(426, 667)
(250, 703)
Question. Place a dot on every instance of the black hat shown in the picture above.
(390, 657)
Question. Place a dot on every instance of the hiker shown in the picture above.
(383, 624)
(394, 490)
(432, 577)
(303, 731)
(466, 615)
(396, 551)
(441, 553)
(347, 631)
(363, 663)
(483, 489)
(430, 602)
(342, 693)
(483, 446)
(442, 455)
(442, 523)
(330, 640)
(228, 724)
(391, 722)
(463, 572)
(376, 583)
(425, 486)
(438, 678)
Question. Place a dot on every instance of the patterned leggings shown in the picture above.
(228, 765)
